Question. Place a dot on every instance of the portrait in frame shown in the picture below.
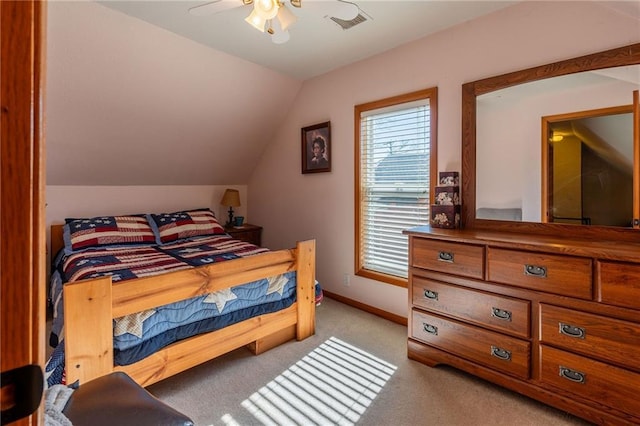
(316, 148)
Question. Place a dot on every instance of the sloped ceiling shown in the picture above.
(133, 101)
(128, 103)
(317, 44)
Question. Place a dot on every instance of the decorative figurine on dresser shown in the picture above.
(549, 310)
(445, 213)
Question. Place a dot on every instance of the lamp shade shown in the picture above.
(285, 18)
(231, 198)
(257, 21)
(266, 9)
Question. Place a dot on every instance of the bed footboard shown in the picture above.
(91, 305)
(88, 335)
(306, 300)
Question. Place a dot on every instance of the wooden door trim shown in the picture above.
(22, 247)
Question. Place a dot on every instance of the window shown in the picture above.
(395, 165)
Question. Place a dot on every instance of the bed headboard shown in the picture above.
(57, 240)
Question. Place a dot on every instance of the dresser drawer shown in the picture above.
(607, 339)
(619, 284)
(500, 352)
(501, 313)
(452, 258)
(566, 275)
(597, 381)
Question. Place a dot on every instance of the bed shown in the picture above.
(178, 258)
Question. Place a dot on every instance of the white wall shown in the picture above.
(292, 206)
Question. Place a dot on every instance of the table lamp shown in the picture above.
(230, 198)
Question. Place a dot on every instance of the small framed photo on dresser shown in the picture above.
(316, 148)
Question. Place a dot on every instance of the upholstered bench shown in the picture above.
(115, 399)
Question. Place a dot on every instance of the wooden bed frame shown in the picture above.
(90, 306)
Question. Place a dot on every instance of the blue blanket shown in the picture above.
(138, 335)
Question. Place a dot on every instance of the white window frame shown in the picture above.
(364, 266)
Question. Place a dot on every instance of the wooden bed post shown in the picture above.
(88, 331)
(306, 266)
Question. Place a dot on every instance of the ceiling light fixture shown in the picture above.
(256, 21)
(285, 17)
(263, 14)
(275, 18)
(267, 9)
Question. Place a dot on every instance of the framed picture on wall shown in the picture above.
(316, 148)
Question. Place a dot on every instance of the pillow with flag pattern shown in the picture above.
(81, 234)
(185, 224)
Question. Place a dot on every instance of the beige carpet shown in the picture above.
(317, 382)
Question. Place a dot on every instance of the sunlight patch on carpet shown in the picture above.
(334, 384)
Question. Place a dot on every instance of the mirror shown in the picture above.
(507, 173)
(588, 158)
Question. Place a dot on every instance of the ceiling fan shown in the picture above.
(273, 16)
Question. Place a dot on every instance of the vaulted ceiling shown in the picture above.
(129, 103)
(317, 44)
(143, 93)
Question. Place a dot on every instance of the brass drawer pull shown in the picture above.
(428, 294)
(573, 375)
(431, 329)
(572, 331)
(535, 271)
(445, 256)
(501, 314)
(500, 353)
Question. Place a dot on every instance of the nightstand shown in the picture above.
(247, 232)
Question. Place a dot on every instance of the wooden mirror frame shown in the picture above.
(627, 55)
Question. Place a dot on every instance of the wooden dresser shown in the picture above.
(552, 318)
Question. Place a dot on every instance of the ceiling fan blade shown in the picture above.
(344, 10)
(215, 7)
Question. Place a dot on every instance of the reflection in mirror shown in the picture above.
(589, 159)
(511, 179)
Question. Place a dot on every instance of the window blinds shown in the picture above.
(394, 183)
